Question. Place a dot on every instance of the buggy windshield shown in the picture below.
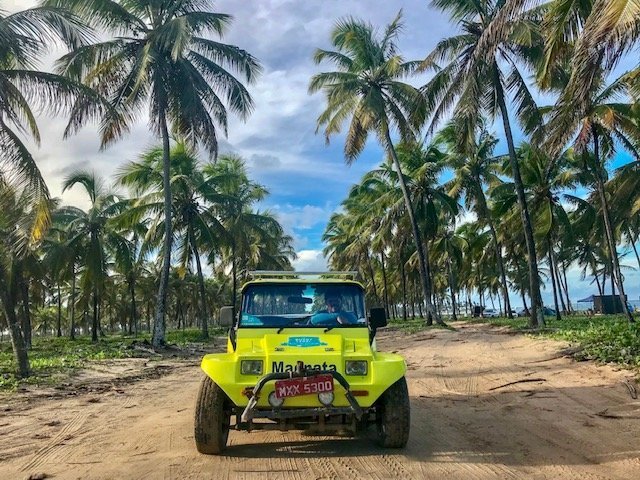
(303, 305)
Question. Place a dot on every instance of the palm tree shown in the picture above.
(434, 209)
(474, 167)
(601, 32)
(192, 194)
(474, 81)
(60, 259)
(159, 58)
(129, 261)
(24, 37)
(604, 121)
(358, 227)
(89, 233)
(19, 215)
(249, 234)
(450, 246)
(593, 175)
(368, 89)
(545, 180)
(625, 201)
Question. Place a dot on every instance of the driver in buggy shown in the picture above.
(334, 307)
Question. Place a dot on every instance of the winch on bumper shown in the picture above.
(250, 412)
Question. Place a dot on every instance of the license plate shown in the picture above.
(294, 387)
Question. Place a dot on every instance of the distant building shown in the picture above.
(606, 304)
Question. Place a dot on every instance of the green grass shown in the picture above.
(52, 359)
(415, 325)
(607, 338)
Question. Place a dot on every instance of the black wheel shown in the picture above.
(393, 416)
(212, 418)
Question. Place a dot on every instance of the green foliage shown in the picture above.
(53, 359)
(606, 339)
(192, 335)
(416, 325)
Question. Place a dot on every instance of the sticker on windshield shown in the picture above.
(303, 342)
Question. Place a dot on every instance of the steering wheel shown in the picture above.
(323, 319)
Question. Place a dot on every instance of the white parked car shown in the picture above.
(490, 313)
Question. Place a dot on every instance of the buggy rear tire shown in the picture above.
(393, 416)
(212, 418)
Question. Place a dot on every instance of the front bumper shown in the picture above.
(250, 412)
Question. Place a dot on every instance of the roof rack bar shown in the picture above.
(281, 273)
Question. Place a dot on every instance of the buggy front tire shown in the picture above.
(212, 418)
(393, 416)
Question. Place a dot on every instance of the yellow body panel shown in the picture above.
(317, 349)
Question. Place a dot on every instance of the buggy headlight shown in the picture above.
(326, 398)
(356, 367)
(251, 367)
(274, 401)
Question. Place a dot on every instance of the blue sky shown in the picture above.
(306, 178)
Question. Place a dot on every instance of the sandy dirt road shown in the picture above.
(577, 420)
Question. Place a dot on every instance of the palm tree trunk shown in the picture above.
(616, 273)
(537, 317)
(633, 245)
(203, 299)
(561, 287)
(600, 289)
(134, 313)
(72, 328)
(497, 245)
(161, 301)
(452, 291)
(413, 300)
(26, 310)
(15, 332)
(424, 277)
(403, 273)
(384, 284)
(367, 258)
(519, 274)
(524, 303)
(233, 278)
(501, 270)
(566, 286)
(613, 281)
(94, 326)
(17, 341)
(554, 284)
(59, 319)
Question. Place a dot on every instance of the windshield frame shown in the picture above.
(322, 284)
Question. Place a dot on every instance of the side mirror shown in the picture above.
(377, 318)
(226, 316)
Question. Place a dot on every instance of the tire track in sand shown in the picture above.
(54, 449)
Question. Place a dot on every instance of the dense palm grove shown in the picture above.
(552, 202)
(174, 246)
(169, 240)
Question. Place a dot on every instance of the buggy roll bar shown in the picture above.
(281, 273)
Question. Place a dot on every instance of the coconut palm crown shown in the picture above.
(159, 57)
(367, 89)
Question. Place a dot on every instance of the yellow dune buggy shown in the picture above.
(301, 355)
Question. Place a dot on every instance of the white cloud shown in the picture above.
(303, 222)
(310, 261)
(302, 217)
(467, 216)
